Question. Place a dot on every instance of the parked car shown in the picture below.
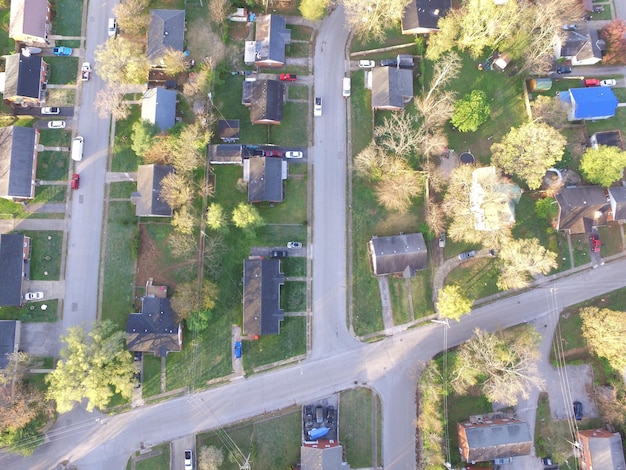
(188, 459)
(278, 254)
(466, 255)
(85, 71)
(273, 153)
(319, 414)
(591, 82)
(563, 69)
(49, 110)
(137, 355)
(137, 379)
(317, 108)
(609, 82)
(570, 27)
(389, 63)
(442, 240)
(294, 245)
(578, 410)
(33, 296)
(75, 181)
(56, 125)
(367, 64)
(62, 51)
(293, 154)
(288, 77)
(112, 29)
(30, 50)
(238, 349)
(595, 242)
(330, 414)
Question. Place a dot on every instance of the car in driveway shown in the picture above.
(563, 69)
(30, 296)
(467, 255)
(293, 154)
(188, 459)
(591, 82)
(608, 82)
(595, 242)
(367, 64)
(317, 107)
(278, 254)
(570, 27)
(294, 245)
(56, 125)
(288, 77)
(62, 51)
(273, 153)
(578, 410)
(75, 183)
(238, 349)
(50, 110)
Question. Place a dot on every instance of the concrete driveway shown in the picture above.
(41, 339)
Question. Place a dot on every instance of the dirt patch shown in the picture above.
(203, 42)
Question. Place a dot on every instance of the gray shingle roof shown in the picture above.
(22, 76)
(166, 30)
(261, 296)
(271, 37)
(492, 441)
(17, 161)
(266, 183)
(31, 24)
(11, 269)
(578, 206)
(158, 106)
(425, 14)
(147, 198)
(404, 253)
(267, 102)
(391, 87)
(322, 458)
(226, 154)
(155, 329)
(8, 328)
(618, 194)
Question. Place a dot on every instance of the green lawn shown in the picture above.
(293, 209)
(52, 166)
(7, 45)
(68, 17)
(124, 158)
(122, 190)
(293, 130)
(45, 194)
(293, 296)
(45, 254)
(298, 92)
(581, 248)
(151, 376)
(297, 49)
(422, 293)
(361, 113)
(300, 33)
(476, 276)
(55, 138)
(616, 122)
(399, 300)
(610, 235)
(158, 462)
(357, 426)
(31, 312)
(551, 437)
(63, 70)
(271, 348)
(294, 267)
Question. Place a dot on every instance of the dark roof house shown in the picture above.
(155, 330)
(261, 296)
(271, 37)
(9, 340)
(392, 88)
(14, 267)
(422, 16)
(610, 138)
(326, 456)
(24, 80)
(266, 104)
(581, 47)
(147, 199)
(166, 30)
(589, 103)
(580, 208)
(265, 176)
(30, 21)
(492, 439)
(18, 162)
(617, 199)
(405, 253)
(225, 154)
(228, 130)
(601, 449)
(158, 106)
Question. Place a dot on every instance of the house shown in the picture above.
(158, 106)
(9, 340)
(14, 267)
(422, 16)
(580, 47)
(404, 253)
(589, 103)
(610, 138)
(266, 102)
(225, 154)
(25, 78)
(601, 449)
(392, 88)
(327, 456)
(155, 329)
(228, 130)
(499, 210)
(165, 31)
(483, 440)
(271, 37)
(18, 162)
(261, 297)
(581, 208)
(265, 176)
(30, 22)
(147, 198)
(617, 201)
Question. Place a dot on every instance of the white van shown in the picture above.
(346, 87)
(77, 148)
(112, 30)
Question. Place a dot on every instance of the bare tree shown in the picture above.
(435, 218)
(397, 134)
(522, 259)
(183, 220)
(182, 246)
(121, 61)
(446, 69)
(133, 16)
(218, 11)
(110, 100)
(395, 191)
(549, 109)
(369, 19)
(175, 190)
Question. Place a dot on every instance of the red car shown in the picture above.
(591, 82)
(595, 243)
(75, 181)
(288, 77)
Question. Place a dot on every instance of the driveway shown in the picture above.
(41, 339)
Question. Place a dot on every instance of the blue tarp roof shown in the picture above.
(593, 102)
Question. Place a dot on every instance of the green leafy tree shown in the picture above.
(313, 9)
(452, 304)
(216, 218)
(93, 365)
(247, 217)
(604, 331)
(604, 165)
(188, 299)
(521, 260)
(176, 190)
(200, 320)
(528, 151)
(143, 133)
(174, 61)
(546, 208)
(120, 61)
(183, 220)
(471, 111)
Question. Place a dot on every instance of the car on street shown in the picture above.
(367, 64)
(188, 459)
(563, 69)
(238, 349)
(33, 296)
(85, 71)
(317, 108)
(112, 28)
(578, 410)
(570, 27)
(595, 242)
(62, 51)
(49, 110)
(609, 82)
(56, 125)
(293, 154)
(75, 181)
(278, 254)
(294, 245)
(591, 82)
(288, 77)
(467, 255)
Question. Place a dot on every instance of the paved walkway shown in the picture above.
(10, 225)
(48, 207)
(118, 177)
(385, 300)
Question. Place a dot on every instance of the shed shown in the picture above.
(539, 84)
(404, 253)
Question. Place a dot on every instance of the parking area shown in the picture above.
(319, 420)
(41, 339)
(580, 380)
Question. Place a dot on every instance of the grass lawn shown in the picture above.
(55, 138)
(393, 37)
(7, 45)
(272, 348)
(294, 267)
(399, 300)
(477, 277)
(52, 166)
(45, 254)
(460, 407)
(581, 248)
(357, 433)
(45, 194)
(300, 33)
(119, 263)
(31, 312)
(11, 210)
(361, 113)
(293, 210)
(273, 442)
(611, 239)
(60, 96)
(69, 23)
(122, 190)
(124, 158)
(551, 437)
(293, 131)
(293, 296)
(616, 122)
(158, 462)
(63, 70)
(422, 294)
(298, 92)
(297, 49)
(151, 375)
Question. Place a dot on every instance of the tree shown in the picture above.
(528, 151)
(521, 259)
(471, 111)
(199, 321)
(546, 208)
(188, 299)
(210, 458)
(369, 19)
(216, 218)
(313, 9)
(133, 17)
(143, 133)
(395, 191)
(174, 61)
(604, 331)
(603, 165)
(175, 190)
(247, 217)
(452, 304)
(121, 61)
(218, 11)
(548, 109)
(614, 34)
(183, 220)
(198, 83)
(93, 365)
(397, 135)
(502, 364)
(182, 245)
(110, 100)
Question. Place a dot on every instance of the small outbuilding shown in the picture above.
(404, 253)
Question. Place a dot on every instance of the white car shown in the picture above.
(33, 296)
(367, 64)
(294, 245)
(188, 460)
(56, 125)
(293, 154)
(609, 82)
(317, 108)
(49, 110)
(112, 29)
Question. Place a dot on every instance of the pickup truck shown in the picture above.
(62, 51)
(85, 71)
